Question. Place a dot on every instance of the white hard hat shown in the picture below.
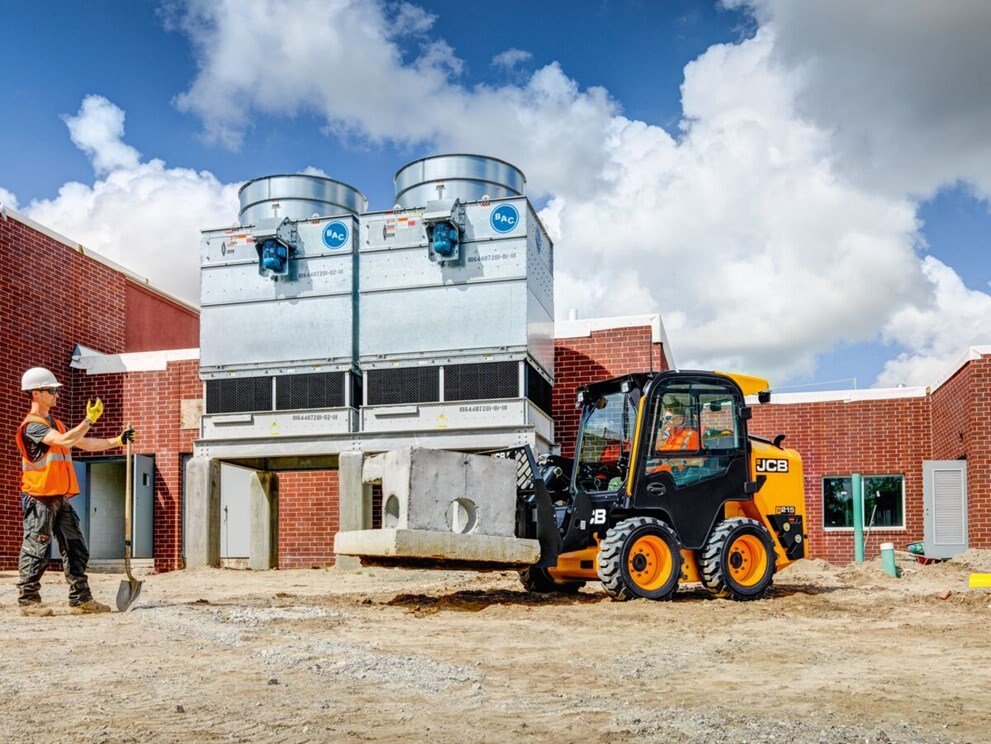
(38, 377)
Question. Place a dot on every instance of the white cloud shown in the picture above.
(8, 198)
(98, 130)
(938, 331)
(511, 58)
(901, 85)
(142, 215)
(412, 19)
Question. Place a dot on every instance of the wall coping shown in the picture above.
(583, 327)
(96, 363)
(90, 253)
(960, 361)
(844, 396)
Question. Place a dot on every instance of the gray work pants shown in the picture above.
(43, 519)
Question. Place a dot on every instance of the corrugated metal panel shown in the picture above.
(949, 507)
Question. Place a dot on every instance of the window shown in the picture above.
(694, 432)
(884, 498)
(606, 439)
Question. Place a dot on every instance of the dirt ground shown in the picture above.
(832, 655)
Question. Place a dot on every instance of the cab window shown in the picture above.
(693, 430)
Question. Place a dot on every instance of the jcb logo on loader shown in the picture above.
(772, 466)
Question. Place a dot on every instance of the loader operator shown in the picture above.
(674, 436)
(48, 481)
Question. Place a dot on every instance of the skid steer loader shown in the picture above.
(665, 486)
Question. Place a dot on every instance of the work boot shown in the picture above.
(36, 609)
(89, 607)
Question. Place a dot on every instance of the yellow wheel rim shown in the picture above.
(650, 563)
(747, 560)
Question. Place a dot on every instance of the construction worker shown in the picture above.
(674, 435)
(48, 481)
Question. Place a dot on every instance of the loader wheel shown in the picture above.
(640, 557)
(538, 581)
(737, 561)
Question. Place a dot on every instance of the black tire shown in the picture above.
(537, 580)
(731, 563)
(656, 580)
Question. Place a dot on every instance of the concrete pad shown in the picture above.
(441, 491)
(446, 547)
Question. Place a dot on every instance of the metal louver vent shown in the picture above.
(404, 385)
(949, 507)
(239, 395)
(318, 390)
(538, 389)
(481, 381)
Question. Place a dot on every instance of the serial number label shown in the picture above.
(492, 257)
(483, 409)
(328, 272)
(315, 417)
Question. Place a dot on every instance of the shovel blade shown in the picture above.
(127, 593)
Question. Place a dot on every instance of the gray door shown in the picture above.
(944, 497)
(235, 519)
(143, 514)
(79, 502)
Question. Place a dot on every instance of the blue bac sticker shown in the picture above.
(504, 218)
(335, 234)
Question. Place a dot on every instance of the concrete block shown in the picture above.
(202, 512)
(354, 502)
(448, 547)
(440, 491)
(263, 493)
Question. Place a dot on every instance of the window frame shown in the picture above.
(902, 528)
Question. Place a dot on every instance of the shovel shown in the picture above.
(130, 587)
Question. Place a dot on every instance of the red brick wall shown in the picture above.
(151, 402)
(154, 323)
(977, 443)
(879, 437)
(599, 356)
(308, 518)
(51, 297)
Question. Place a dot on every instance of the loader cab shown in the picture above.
(692, 455)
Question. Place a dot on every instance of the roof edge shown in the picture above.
(99, 258)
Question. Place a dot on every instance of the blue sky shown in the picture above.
(789, 203)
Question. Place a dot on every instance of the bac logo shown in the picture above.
(504, 218)
(335, 235)
(772, 466)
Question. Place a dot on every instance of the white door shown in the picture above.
(944, 498)
(235, 513)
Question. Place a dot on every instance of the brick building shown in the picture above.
(105, 332)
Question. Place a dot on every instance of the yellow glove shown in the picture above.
(93, 411)
(126, 436)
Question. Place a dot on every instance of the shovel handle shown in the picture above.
(128, 497)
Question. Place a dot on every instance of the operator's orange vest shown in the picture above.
(686, 439)
(52, 475)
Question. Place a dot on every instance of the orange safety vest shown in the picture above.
(52, 475)
(685, 439)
